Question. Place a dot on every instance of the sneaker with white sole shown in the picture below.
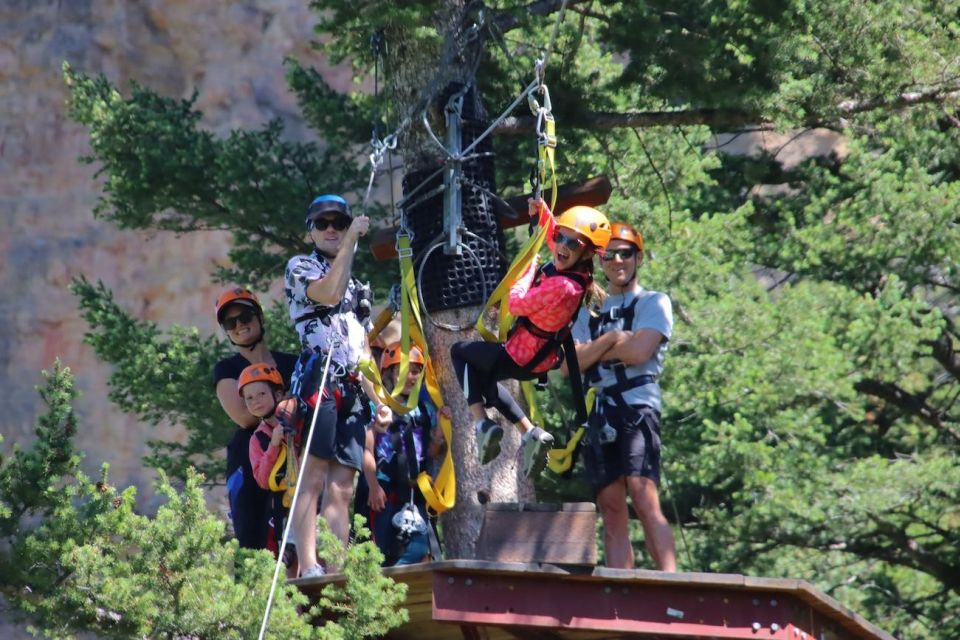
(534, 444)
(489, 434)
(315, 571)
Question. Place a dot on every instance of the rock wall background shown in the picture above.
(232, 53)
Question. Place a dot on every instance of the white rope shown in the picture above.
(296, 491)
(333, 343)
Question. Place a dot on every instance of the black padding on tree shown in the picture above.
(449, 281)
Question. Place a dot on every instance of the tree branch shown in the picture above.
(907, 402)
(945, 354)
(509, 21)
(720, 118)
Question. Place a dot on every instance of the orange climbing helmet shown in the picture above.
(589, 223)
(391, 355)
(259, 372)
(236, 295)
(623, 231)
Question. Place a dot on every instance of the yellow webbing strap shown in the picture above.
(517, 268)
(408, 314)
(288, 483)
(560, 460)
(440, 494)
(546, 152)
(280, 462)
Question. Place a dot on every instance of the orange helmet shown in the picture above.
(259, 372)
(236, 295)
(391, 356)
(623, 231)
(588, 222)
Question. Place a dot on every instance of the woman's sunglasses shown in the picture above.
(561, 239)
(339, 223)
(625, 254)
(246, 317)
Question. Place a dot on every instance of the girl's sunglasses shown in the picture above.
(561, 239)
(625, 254)
(339, 223)
(246, 317)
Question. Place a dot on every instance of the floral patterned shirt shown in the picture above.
(340, 323)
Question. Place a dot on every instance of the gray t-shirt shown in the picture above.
(652, 310)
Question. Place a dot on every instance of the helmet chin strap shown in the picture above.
(271, 413)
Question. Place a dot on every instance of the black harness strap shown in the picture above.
(317, 314)
(624, 383)
(554, 339)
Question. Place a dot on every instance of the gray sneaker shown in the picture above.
(315, 571)
(489, 434)
(534, 445)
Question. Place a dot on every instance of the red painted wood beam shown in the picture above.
(657, 610)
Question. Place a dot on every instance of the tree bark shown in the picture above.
(416, 72)
(498, 481)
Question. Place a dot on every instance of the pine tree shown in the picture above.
(75, 555)
(810, 424)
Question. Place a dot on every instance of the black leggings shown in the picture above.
(479, 367)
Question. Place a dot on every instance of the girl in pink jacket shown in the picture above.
(545, 302)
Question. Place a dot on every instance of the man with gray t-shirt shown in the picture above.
(621, 352)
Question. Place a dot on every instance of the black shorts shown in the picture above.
(341, 427)
(635, 452)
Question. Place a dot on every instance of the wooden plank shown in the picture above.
(496, 599)
(587, 507)
(554, 536)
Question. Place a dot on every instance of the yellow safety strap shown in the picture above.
(288, 483)
(560, 460)
(277, 465)
(440, 494)
(546, 152)
(517, 268)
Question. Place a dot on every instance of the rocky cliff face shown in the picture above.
(232, 53)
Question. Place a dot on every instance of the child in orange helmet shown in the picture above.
(240, 315)
(396, 452)
(545, 301)
(261, 387)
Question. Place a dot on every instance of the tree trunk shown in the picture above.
(417, 71)
(500, 481)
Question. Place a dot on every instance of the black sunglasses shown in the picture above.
(246, 317)
(569, 242)
(339, 223)
(625, 254)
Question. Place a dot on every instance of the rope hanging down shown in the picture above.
(296, 492)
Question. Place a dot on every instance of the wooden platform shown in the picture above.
(474, 599)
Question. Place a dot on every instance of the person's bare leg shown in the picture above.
(656, 530)
(335, 508)
(612, 502)
(304, 516)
